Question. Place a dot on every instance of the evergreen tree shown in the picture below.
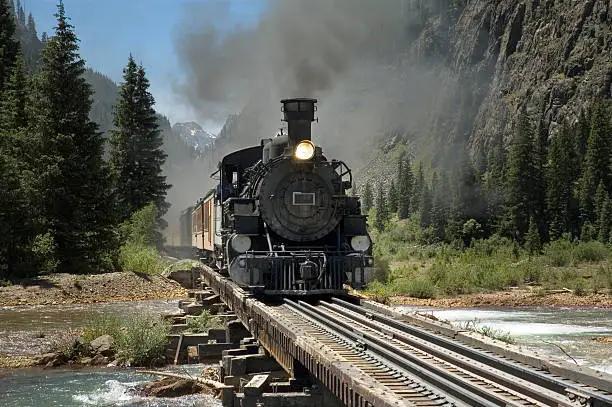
(417, 189)
(406, 181)
(532, 239)
(495, 180)
(439, 206)
(13, 115)
(562, 175)
(426, 206)
(393, 198)
(468, 196)
(20, 13)
(9, 46)
(523, 178)
(382, 212)
(601, 195)
(597, 163)
(31, 26)
(583, 129)
(367, 200)
(72, 182)
(137, 156)
(605, 221)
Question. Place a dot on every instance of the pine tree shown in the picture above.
(439, 205)
(13, 115)
(523, 178)
(20, 13)
(31, 26)
(562, 175)
(597, 163)
(601, 195)
(604, 225)
(393, 198)
(417, 189)
(72, 182)
(406, 182)
(425, 205)
(137, 156)
(583, 129)
(367, 200)
(382, 212)
(533, 242)
(495, 180)
(9, 46)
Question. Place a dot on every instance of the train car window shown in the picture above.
(303, 198)
(234, 177)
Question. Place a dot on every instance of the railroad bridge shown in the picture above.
(367, 354)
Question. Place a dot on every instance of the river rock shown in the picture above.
(99, 360)
(85, 361)
(52, 360)
(170, 387)
(102, 345)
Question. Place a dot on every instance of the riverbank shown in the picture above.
(58, 289)
(531, 297)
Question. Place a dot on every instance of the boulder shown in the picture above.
(99, 360)
(170, 387)
(102, 345)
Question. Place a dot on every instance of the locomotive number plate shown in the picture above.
(304, 198)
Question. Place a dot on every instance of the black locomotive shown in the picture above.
(280, 221)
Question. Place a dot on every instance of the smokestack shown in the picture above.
(299, 114)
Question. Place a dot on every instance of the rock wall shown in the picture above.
(551, 56)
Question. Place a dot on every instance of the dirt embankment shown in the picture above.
(512, 298)
(83, 289)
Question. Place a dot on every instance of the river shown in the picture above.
(29, 330)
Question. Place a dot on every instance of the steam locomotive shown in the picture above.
(280, 221)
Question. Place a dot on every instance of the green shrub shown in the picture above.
(378, 292)
(43, 248)
(203, 322)
(136, 258)
(558, 253)
(603, 277)
(101, 324)
(141, 228)
(139, 340)
(418, 288)
(143, 340)
(590, 251)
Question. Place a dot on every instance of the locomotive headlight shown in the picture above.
(240, 243)
(304, 150)
(360, 243)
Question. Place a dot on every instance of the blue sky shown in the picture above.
(110, 30)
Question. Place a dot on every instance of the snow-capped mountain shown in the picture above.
(192, 134)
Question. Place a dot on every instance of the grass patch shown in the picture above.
(140, 340)
(203, 322)
(493, 264)
(476, 326)
(137, 258)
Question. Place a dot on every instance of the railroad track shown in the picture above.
(426, 369)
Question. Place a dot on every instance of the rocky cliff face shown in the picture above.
(550, 56)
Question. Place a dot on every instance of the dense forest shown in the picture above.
(535, 191)
(63, 206)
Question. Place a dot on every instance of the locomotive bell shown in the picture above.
(299, 115)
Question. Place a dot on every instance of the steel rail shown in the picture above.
(449, 382)
(541, 379)
(512, 384)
